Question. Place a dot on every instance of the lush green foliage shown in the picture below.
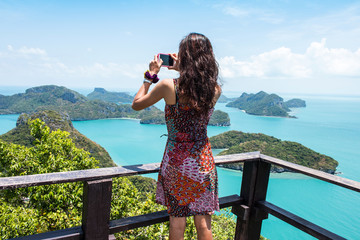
(295, 103)
(68, 101)
(219, 118)
(51, 206)
(263, 104)
(31, 210)
(239, 142)
(54, 120)
(115, 97)
(155, 118)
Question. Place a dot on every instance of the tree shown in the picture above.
(32, 210)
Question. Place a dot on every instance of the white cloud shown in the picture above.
(319, 66)
(318, 60)
(33, 65)
(336, 61)
(31, 51)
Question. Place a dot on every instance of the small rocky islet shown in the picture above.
(264, 104)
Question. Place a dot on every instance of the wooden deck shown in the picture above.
(250, 206)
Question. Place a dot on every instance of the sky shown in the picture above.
(284, 46)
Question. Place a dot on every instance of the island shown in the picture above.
(264, 104)
(295, 103)
(114, 97)
(64, 100)
(240, 142)
(219, 118)
(79, 107)
(54, 120)
(156, 118)
(224, 99)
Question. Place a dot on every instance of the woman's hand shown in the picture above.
(176, 62)
(154, 65)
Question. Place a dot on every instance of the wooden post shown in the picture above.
(253, 188)
(96, 209)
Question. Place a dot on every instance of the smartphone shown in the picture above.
(167, 60)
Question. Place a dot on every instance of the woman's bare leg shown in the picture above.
(177, 228)
(203, 227)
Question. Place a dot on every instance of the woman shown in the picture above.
(187, 183)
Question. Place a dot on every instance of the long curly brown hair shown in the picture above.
(198, 72)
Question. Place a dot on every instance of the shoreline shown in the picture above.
(290, 116)
(124, 118)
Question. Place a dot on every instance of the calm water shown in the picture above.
(329, 125)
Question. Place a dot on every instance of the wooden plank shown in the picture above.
(253, 188)
(247, 191)
(102, 173)
(240, 157)
(74, 233)
(231, 200)
(124, 224)
(256, 217)
(161, 216)
(96, 209)
(298, 222)
(343, 182)
(75, 176)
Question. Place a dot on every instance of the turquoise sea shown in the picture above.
(329, 125)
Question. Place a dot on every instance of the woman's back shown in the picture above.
(185, 123)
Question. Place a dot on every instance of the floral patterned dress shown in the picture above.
(187, 183)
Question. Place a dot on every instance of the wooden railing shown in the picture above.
(250, 207)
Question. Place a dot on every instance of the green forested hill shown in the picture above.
(68, 101)
(115, 97)
(54, 120)
(295, 103)
(27, 211)
(239, 142)
(265, 104)
(219, 118)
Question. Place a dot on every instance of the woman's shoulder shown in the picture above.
(169, 91)
(168, 82)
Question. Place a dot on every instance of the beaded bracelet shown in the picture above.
(153, 78)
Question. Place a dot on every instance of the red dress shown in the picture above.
(187, 183)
